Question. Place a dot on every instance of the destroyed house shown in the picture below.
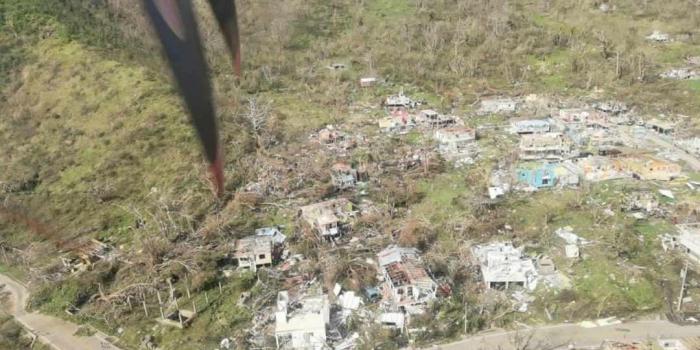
(343, 176)
(598, 168)
(642, 201)
(612, 107)
(498, 105)
(274, 233)
(660, 126)
(396, 123)
(532, 126)
(659, 37)
(435, 120)
(567, 174)
(455, 140)
(255, 251)
(575, 115)
(327, 217)
(551, 145)
(598, 121)
(329, 135)
(504, 266)
(399, 101)
(406, 281)
(649, 168)
(689, 240)
(301, 325)
(82, 256)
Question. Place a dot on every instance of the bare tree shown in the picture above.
(258, 115)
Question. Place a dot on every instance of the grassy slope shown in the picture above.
(91, 129)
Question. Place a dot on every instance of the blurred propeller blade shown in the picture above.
(175, 25)
(225, 13)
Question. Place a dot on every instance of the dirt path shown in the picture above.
(559, 336)
(51, 330)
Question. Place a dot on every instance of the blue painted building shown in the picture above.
(543, 176)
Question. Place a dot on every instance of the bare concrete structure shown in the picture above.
(689, 240)
(530, 126)
(254, 251)
(328, 216)
(504, 266)
(500, 105)
(435, 120)
(343, 176)
(455, 140)
(551, 145)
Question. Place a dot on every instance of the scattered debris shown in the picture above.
(659, 37)
(368, 81)
(348, 343)
(337, 66)
(681, 74)
(667, 193)
(568, 235)
(343, 176)
(572, 251)
(691, 145)
(83, 256)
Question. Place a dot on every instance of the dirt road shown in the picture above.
(50, 330)
(559, 336)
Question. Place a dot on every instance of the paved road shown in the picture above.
(50, 330)
(559, 336)
(689, 159)
(692, 161)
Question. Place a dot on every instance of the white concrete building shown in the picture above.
(455, 140)
(504, 266)
(302, 328)
(498, 105)
(689, 240)
(530, 126)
